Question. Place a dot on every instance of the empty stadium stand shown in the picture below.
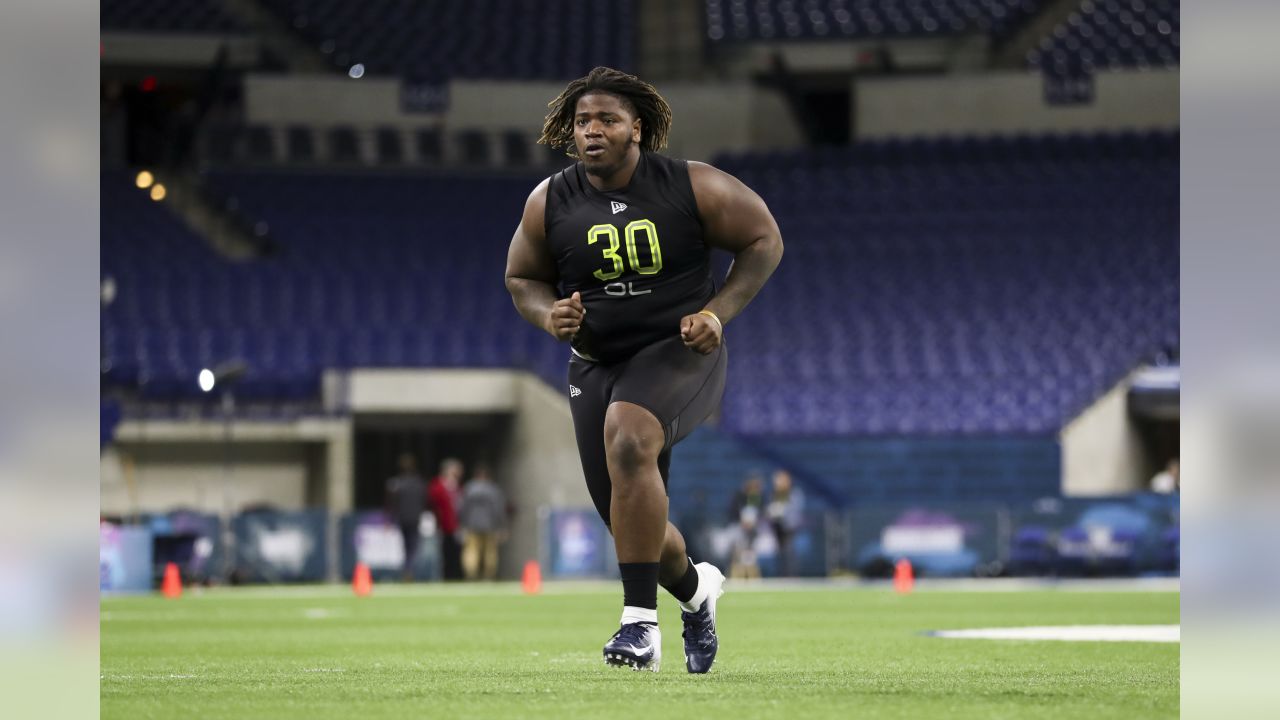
(962, 287)
(1110, 35)
(435, 41)
(736, 21)
(944, 287)
(172, 16)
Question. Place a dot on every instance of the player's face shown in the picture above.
(604, 131)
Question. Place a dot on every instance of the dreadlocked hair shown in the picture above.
(640, 97)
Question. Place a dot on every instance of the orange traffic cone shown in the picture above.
(904, 577)
(532, 579)
(362, 580)
(171, 586)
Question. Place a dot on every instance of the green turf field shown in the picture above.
(490, 652)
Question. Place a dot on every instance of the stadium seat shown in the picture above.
(301, 144)
(260, 145)
(344, 146)
(437, 41)
(171, 16)
(390, 148)
(1110, 35)
(474, 147)
(221, 142)
(746, 21)
(555, 157)
(430, 145)
(515, 149)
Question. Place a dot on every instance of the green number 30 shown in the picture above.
(611, 253)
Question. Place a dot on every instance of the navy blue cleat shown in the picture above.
(635, 645)
(700, 641)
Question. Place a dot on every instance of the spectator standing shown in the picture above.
(406, 501)
(747, 513)
(483, 517)
(443, 496)
(785, 511)
(743, 563)
(751, 494)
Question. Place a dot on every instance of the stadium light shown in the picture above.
(356, 72)
(224, 374)
(158, 192)
(144, 179)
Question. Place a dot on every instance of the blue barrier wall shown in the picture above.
(371, 538)
(1049, 536)
(577, 545)
(191, 540)
(1068, 537)
(124, 558)
(837, 473)
(281, 546)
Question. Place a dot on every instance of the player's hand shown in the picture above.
(565, 319)
(701, 332)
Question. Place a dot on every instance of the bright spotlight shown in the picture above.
(357, 71)
(144, 179)
(223, 375)
(158, 192)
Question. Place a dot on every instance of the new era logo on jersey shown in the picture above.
(618, 207)
(574, 392)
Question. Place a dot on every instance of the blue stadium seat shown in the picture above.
(744, 21)
(344, 146)
(389, 146)
(983, 286)
(445, 39)
(1110, 35)
(169, 16)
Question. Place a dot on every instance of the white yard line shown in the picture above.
(1071, 633)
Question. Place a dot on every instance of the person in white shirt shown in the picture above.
(1166, 481)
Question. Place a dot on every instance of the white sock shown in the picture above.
(699, 595)
(638, 614)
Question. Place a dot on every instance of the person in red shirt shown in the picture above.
(442, 496)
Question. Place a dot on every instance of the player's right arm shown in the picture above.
(532, 276)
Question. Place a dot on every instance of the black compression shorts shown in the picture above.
(680, 386)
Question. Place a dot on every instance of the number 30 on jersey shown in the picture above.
(608, 232)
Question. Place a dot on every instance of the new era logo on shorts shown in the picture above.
(574, 392)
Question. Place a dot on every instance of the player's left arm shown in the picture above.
(735, 219)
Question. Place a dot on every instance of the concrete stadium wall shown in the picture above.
(540, 467)
(324, 100)
(1007, 102)
(191, 475)
(910, 54)
(159, 465)
(708, 118)
(738, 115)
(442, 391)
(1102, 452)
(169, 50)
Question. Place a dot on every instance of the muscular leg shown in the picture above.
(633, 438)
(638, 507)
(675, 558)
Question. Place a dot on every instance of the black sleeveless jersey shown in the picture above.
(636, 254)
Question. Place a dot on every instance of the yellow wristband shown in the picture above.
(713, 316)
